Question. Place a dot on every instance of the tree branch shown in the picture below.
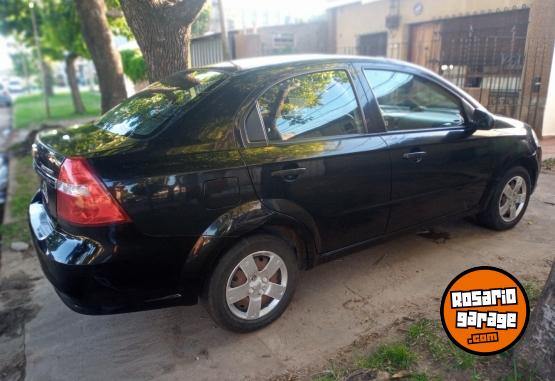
(186, 10)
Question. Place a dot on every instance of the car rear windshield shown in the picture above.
(146, 112)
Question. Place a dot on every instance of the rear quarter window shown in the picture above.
(147, 112)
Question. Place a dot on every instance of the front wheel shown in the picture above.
(252, 284)
(509, 201)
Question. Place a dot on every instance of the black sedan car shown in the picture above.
(222, 183)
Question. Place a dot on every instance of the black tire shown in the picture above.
(491, 217)
(214, 296)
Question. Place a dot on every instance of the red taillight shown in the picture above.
(82, 199)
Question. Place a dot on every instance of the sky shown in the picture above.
(303, 8)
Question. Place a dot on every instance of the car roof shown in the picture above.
(255, 63)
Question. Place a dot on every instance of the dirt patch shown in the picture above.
(438, 237)
(16, 310)
(15, 290)
(12, 321)
(14, 368)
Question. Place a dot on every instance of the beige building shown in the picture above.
(549, 118)
(500, 51)
(351, 21)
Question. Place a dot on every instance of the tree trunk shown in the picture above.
(78, 105)
(48, 79)
(536, 351)
(223, 31)
(107, 60)
(163, 31)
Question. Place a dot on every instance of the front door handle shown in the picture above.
(290, 174)
(415, 156)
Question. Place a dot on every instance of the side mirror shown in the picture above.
(482, 120)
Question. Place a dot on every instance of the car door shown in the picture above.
(439, 165)
(309, 152)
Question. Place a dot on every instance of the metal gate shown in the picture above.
(488, 55)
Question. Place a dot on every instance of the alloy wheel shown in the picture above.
(256, 285)
(513, 199)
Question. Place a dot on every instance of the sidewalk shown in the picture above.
(548, 147)
(19, 272)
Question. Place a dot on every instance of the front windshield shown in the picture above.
(147, 111)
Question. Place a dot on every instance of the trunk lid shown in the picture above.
(52, 147)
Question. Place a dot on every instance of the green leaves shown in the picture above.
(202, 22)
(134, 65)
(61, 30)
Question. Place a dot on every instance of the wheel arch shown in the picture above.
(528, 163)
(244, 221)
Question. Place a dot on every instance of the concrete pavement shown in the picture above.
(548, 147)
(335, 304)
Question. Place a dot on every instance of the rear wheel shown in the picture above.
(252, 284)
(509, 201)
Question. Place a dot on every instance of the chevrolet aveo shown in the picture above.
(221, 184)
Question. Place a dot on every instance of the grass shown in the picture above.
(548, 164)
(390, 358)
(533, 290)
(26, 184)
(429, 334)
(426, 354)
(29, 109)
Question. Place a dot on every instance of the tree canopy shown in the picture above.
(61, 30)
(202, 22)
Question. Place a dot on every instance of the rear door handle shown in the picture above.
(415, 156)
(290, 174)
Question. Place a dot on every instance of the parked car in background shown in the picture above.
(15, 86)
(5, 97)
(223, 183)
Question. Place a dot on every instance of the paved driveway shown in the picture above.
(335, 303)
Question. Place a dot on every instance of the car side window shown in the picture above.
(310, 106)
(409, 102)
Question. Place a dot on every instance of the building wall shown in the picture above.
(305, 38)
(549, 118)
(309, 37)
(356, 19)
(537, 68)
(524, 95)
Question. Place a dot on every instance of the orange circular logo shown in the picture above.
(485, 310)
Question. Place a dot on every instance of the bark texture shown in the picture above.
(78, 105)
(162, 29)
(107, 60)
(536, 351)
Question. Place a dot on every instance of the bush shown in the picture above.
(134, 65)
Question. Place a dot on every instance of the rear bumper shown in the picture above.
(117, 271)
